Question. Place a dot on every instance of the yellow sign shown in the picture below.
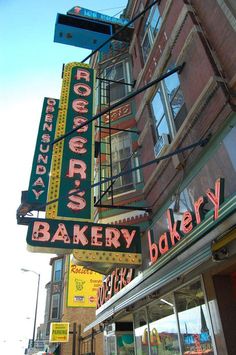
(82, 287)
(59, 332)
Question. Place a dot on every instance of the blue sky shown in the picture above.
(30, 69)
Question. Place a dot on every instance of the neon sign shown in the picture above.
(177, 230)
(72, 162)
(113, 283)
(38, 185)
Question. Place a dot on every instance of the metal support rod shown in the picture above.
(201, 143)
(74, 340)
(117, 129)
(128, 97)
(119, 31)
(116, 81)
(135, 208)
(36, 309)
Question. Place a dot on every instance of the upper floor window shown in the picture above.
(113, 90)
(168, 108)
(150, 30)
(121, 161)
(55, 306)
(57, 270)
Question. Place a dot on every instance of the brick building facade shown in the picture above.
(176, 303)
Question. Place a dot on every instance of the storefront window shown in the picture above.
(193, 320)
(141, 333)
(125, 344)
(163, 327)
(111, 345)
(176, 324)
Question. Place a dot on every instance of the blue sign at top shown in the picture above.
(82, 12)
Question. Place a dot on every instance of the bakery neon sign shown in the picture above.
(119, 244)
(178, 229)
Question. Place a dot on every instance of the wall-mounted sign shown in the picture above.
(82, 12)
(113, 283)
(72, 161)
(38, 185)
(92, 242)
(191, 220)
(59, 332)
(82, 287)
(118, 113)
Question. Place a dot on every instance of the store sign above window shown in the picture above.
(94, 242)
(82, 12)
(113, 283)
(118, 113)
(188, 227)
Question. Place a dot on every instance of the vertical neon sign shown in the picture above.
(72, 162)
(39, 179)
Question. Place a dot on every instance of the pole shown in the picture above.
(79, 338)
(92, 339)
(36, 309)
(74, 339)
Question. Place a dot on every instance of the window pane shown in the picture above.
(57, 270)
(177, 102)
(172, 83)
(155, 22)
(159, 110)
(118, 73)
(193, 319)
(55, 306)
(121, 162)
(117, 91)
(150, 29)
(125, 344)
(163, 327)
(163, 128)
(141, 333)
(146, 46)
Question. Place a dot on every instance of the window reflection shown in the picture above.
(163, 327)
(141, 333)
(176, 323)
(193, 320)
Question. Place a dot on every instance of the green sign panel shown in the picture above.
(72, 167)
(117, 244)
(38, 185)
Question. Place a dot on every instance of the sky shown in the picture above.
(30, 69)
